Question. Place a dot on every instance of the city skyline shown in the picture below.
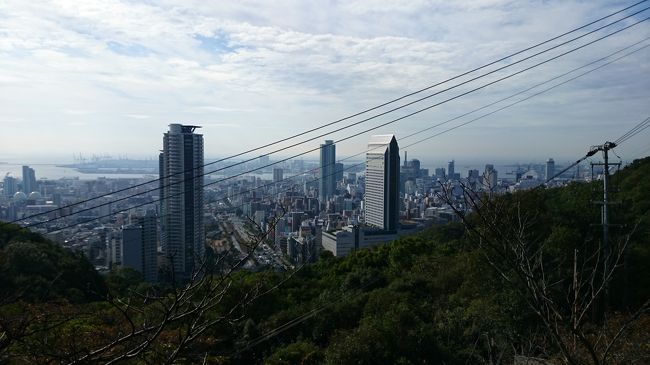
(265, 73)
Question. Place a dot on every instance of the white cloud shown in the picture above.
(77, 112)
(105, 63)
(138, 116)
(220, 125)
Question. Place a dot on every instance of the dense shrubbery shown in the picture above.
(34, 269)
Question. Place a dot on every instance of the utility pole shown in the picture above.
(605, 208)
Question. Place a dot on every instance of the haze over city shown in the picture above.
(75, 80)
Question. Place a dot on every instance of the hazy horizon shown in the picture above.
(461, 164)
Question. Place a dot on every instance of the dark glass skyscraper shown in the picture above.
(381, 202)
(181, 173)
(139, 246)
(451, 170)
(327, 182)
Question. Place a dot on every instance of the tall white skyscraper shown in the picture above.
(181, 174)
(381, 202)
(327, 182)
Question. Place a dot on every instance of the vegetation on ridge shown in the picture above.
(455, 294)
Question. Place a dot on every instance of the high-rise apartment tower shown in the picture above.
(181, 188)
(327, 182)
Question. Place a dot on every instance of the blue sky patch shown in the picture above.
(133, 50)
(219, 44)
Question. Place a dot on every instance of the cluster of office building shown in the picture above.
(296, 209)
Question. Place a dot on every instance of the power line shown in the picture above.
(432, 136)
(586, 156)
(302, 318)
(501, 100)
(535, 86)
(364, 131)
(538, 93)
(355, 134)
(634, 131)
(493, 103)
(376, 107)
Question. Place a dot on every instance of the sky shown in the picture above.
(107, 77)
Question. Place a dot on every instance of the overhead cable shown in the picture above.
(379, 106)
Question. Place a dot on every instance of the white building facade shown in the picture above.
(381, 201)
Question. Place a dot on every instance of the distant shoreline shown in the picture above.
(108, 170)
(61, 171)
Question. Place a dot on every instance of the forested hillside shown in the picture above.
(36, 270)
(522, 276)
(451, 296)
